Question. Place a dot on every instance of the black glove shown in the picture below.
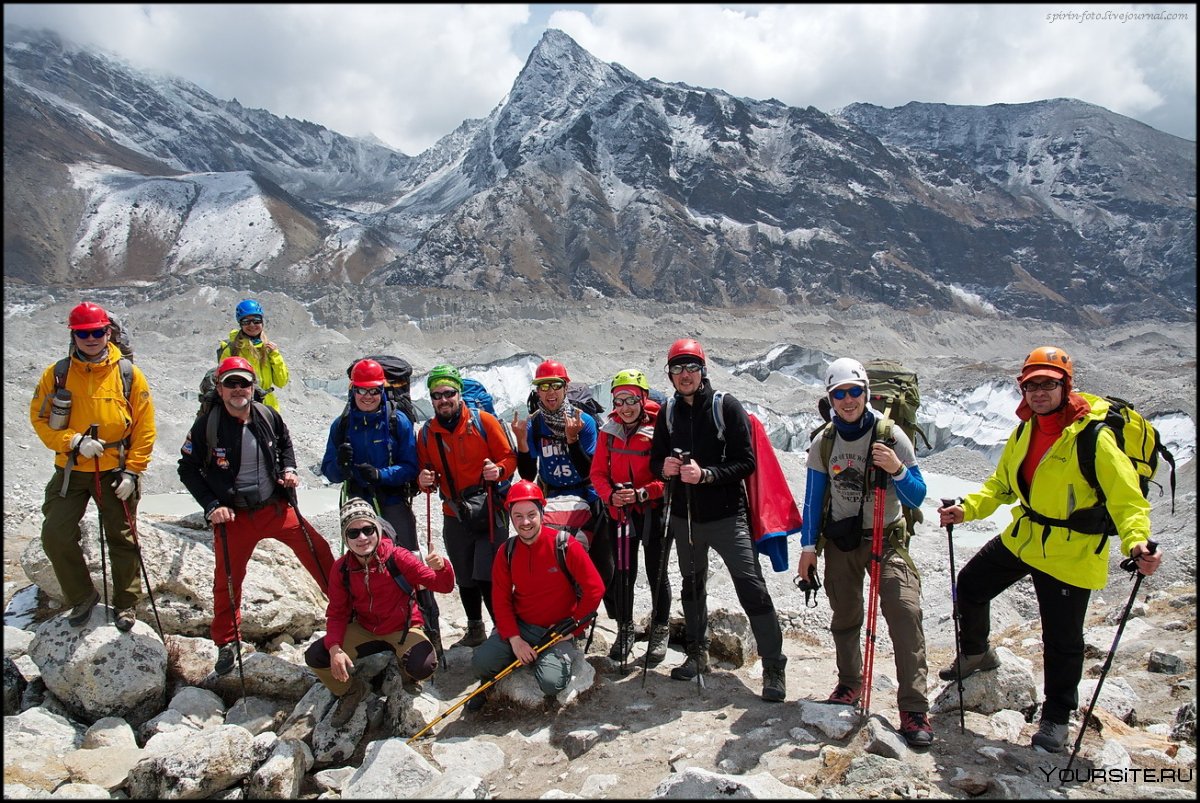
(345, 456)
(368, 472)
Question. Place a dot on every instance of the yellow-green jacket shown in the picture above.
(98, 397)
(269, 367)
(1059, 489)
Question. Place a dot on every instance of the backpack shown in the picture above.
(397, 375)
(1140, 442)
(119, 337)
(560, 550)
(476, 395)
(579, 394)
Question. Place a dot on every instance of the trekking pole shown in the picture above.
(293, 498)
(145, 575)
(233, 606)
(685, 457)
(557, 637)
(93, 432)
(1129, 565)
(962, 714)
(429, 513)
(430, 600)
(876, 561)
(663, 559)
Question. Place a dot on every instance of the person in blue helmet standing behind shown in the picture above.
(249, 341)
(373, 449)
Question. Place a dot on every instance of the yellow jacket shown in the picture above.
(1058, 490)
(98, 397)
(269, 367)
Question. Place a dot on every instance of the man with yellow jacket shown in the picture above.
(100, 418)
(1053, 535)
(249, 341)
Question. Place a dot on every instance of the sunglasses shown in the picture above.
(442, 394)
(252, 321)
(691, 368)
(368, 391)
(550, 384)
(365, 531)
(853, 392)
(625, 401)
(84, 334)
(236, 382)
(1048, 385)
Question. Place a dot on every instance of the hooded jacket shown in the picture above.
(371, 436)
(1058, 490)
(374, 598)
(98, 397)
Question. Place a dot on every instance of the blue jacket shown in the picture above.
(371, 437)
(563, 469)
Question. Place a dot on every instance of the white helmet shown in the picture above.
(845, 371)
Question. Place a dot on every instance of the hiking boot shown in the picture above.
(656, 653)
(696, 663)
(347, 704)
(845, 695)
(477, 702)
(1051, 736)
(80, 613)
(915, 728)
(226, 655)
(624, 643)
(125, 619)
(774, 684)
(972, 664)
(474, 636)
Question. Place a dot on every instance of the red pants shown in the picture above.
(277, 520)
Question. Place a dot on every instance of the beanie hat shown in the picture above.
(356, 508)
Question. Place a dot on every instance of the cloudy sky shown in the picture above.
(411, 73)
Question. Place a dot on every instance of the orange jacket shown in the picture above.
(98, 397)
(466, 449)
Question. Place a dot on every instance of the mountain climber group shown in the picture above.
(582, 494)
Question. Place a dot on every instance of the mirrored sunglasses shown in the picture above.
(368, 391)
(84, 334)
(550, 384)
(365, 531)
(853, 392)
(691, 368)
(236, 382)
(438, 395)
(626, 401)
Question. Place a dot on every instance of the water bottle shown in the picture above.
(60, 409)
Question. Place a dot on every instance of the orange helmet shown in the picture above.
(367, 374)
(87, 316)
(686, 347)
(525, 491)
(551, 369)
(1048, 361)
(235, 366)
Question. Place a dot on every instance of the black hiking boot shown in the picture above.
(475, 635)
(624, 643)
(226, 655)
(696, 663)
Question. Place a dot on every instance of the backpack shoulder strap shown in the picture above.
(477, 422)
(400, 579)
(210, 433)
(718, 411)
(125, 366)
(509, 546)
(885, 430)
(1085, 448)
(560, 549)
(670, 411)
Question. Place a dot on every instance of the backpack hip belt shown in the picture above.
(1087, 521)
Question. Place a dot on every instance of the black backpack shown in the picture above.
(397, 374)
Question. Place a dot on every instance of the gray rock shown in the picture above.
(1166, 663)
(1011, 686)
(1183, 728)
(882, 740)
(835, 721)
(109, 732)
(1117, 697)
(201, 764)
(35, 742)
(390, 769)
(281, 776)
(14, 687)
(468, 756)
(16, 641)
(696, 783)
(1014, 787)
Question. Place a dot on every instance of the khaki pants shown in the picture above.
(61, 537)
(317, 656)
(900, 603)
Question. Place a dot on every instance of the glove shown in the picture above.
(369, 472)
(345, 456)
(126, 484)
(88, 446)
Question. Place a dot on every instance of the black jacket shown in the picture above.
(212, 485)
(731, 461)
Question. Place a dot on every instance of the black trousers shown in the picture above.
(1062, 607)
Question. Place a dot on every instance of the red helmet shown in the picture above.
(367, 374)
(525, 491)
(686, 348)
(551, 369)
(235, 365)
(87, 316)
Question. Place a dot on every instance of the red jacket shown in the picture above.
(616, 460)
(534, 589)
(378, 603)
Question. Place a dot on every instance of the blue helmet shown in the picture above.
(247, 308)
